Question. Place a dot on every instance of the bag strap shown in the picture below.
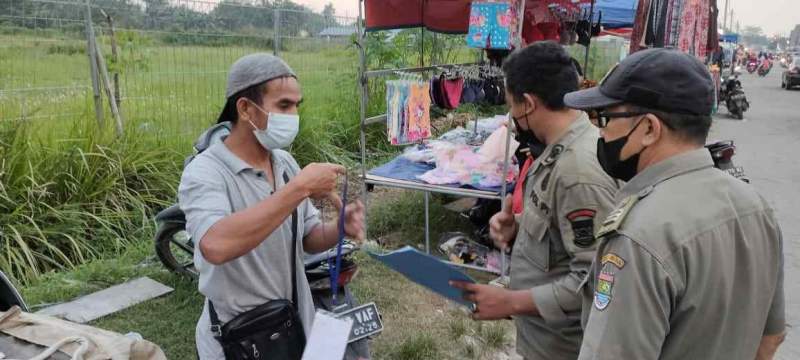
(216, 325)
(294, 248)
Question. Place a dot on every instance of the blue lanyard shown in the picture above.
(335, 269)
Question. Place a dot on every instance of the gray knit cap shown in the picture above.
(255, 69)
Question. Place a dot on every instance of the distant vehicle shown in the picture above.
(791, 76)
(752, 66)
(764, 67)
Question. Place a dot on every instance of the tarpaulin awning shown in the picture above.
(731, 38)
(616, 13)
(446, 16)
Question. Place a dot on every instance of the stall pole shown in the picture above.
(725, 27)
(504, 190)
(589, 45)
(422, 47)
(427, 223)
(362, 91)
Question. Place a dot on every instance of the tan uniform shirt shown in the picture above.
(565, 190)
(690, 266)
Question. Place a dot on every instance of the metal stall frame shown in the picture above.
(364, 75)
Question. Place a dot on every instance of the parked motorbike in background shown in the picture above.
(175, 248)
(9, 296)
(732, 94)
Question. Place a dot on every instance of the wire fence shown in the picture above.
(166, 60)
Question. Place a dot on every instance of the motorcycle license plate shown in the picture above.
(737, 172)
(366, 321)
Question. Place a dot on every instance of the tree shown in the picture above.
(752, 31)
(754, 36)
(329, 12)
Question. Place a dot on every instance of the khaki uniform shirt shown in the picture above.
(565, 190)
(689, 267)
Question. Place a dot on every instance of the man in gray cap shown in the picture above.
(690, 264)
(238, 196)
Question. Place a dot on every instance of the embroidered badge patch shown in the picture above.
(582, 222)
(602, 293)
(614, 259)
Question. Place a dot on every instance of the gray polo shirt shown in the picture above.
(214, 185)
(690, 266)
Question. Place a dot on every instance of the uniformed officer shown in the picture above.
(565, 190)
(238, 196)
(689, 265)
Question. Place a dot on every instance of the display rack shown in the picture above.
(364, 76)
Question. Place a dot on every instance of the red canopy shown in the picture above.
(447, 16)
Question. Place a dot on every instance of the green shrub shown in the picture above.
(420, 347)
(67, 49)
(71, 198)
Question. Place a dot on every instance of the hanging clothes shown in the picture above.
(494, 24)
(640, 25)
(408, 105)
(687, 25)
(693, 37)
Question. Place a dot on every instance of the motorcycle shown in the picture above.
(732, 94)
(722, 152)
(175, 249)
(752, 66)
(764, 69)
(9, 296)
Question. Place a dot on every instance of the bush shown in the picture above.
(63, 202)
(67, 49)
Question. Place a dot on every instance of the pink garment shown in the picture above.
(469, 165)
(693, 37)
(463, 166)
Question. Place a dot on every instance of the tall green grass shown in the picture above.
(66, 198)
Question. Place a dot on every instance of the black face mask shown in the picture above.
(528, 138)
(608, 155)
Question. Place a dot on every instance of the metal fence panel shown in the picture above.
(171, 57)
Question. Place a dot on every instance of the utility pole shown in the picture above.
(725, 17)
(730, 26)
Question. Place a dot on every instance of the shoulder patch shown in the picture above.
(602, 292)
(615, 218)
(614, 259)
(582, 222)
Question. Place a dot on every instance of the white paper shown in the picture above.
(328, 338)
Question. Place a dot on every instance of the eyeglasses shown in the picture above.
(603, 118)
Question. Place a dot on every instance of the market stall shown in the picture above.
(474, 161)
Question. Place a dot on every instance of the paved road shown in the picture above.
(768, 144)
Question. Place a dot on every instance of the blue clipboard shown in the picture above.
(426, 270)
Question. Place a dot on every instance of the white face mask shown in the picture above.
(280, 132)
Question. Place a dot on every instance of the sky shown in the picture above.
(774, 16)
